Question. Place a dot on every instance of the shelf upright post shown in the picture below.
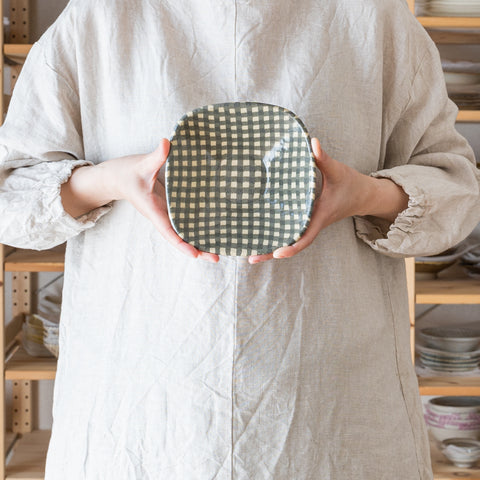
(3, 447)
(410, 266)
(2, 349)
(22, 390)
(411, 5)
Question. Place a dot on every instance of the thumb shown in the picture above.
(322, 159)
(158, 157)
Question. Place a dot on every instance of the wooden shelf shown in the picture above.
(443, 469)
(29, 455)
(25, 367)
(450, 22)
(16, 52)
(449, 385)
(454, 36)
(468, 116)
(35, 261)
(454, 291)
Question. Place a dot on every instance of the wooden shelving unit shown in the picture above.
(25, 448)
(450, 22)
(16, 52)
(22, 366)
(28, 454)
(35, 261)
(457, 290)
(464, 291)
(449, 386)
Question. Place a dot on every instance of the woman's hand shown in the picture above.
(132, 178)
(345, 192)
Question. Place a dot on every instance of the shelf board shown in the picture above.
(29, 455)
(450, 22)
(25, 367)
(449, 385)
(446, 291)
(468, 116)
(36, 261)
(451, 37)
(16, 52)
(443, 469)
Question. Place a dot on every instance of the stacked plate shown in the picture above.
(451, 8)
(449, 349)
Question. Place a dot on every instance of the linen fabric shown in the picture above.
(174, 368)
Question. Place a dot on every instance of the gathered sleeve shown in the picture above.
(435, 166)
(40, 145)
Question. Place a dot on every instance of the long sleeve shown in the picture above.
(40, 145)
(434, 164)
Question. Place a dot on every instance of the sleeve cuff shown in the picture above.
(83, 222)
(395, 239)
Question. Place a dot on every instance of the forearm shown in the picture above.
(85, 190)
(384, 198)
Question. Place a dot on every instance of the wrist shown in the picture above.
(383, 198)
(106, 180)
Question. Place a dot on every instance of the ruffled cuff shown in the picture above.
(395, 239)
(84, 221)
(31, 206)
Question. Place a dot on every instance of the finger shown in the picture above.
(209, 257)
(317, 223)
(159, 156)
(253, 259)
(163, 225)
(291, 250)
(322, 159)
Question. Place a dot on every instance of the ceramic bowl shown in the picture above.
(441, 434)
(462, 452)
(449, 417)
(454, 404)
(240, 178)
(450, 339)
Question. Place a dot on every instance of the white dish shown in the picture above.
(442, 354)
(450, 339)
(458, 78)
(462, 452)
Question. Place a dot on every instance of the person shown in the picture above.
(179, 364)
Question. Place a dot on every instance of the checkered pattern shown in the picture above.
(240, 178)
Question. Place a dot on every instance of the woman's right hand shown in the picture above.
(133, 178)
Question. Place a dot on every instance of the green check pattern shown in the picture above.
(240, 178)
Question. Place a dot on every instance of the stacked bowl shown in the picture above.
(453, 417)
(471, 263)
(462, 452)
(449, 349)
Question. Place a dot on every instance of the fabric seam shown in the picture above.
(235, 49)
(235, 314)
(392, 317)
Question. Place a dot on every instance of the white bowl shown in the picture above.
(454, 404)
(463, 452)
(441, 434)
(450, 339)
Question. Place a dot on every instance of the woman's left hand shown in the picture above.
(345, 192)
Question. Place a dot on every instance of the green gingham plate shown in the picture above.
(240, 178)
